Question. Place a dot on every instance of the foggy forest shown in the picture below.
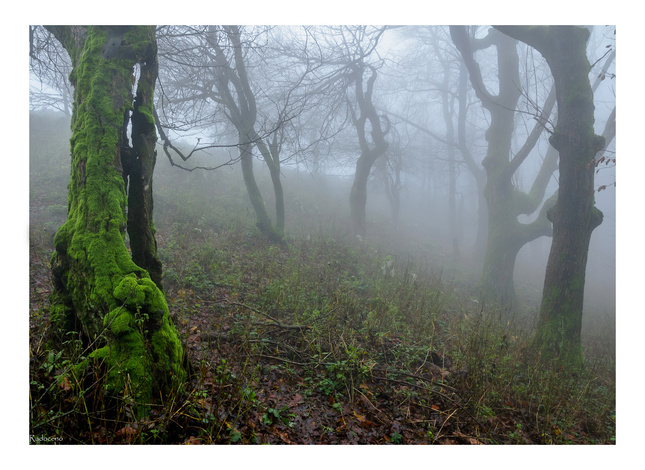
(331, 234)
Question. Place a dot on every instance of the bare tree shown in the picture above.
(227, 72)
(574, 215)
(50, 67)
(346, 76)
(505, 201)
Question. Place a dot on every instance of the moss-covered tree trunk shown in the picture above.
(574, 215)
(99, 290)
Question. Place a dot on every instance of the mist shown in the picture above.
(333, 195)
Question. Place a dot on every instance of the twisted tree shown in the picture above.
(574, 215)
(505, 202)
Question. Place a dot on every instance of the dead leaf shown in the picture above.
(192, 440)
(297, 399)
(363, 421)
(282, 435)
(65, 384)
(127, 431)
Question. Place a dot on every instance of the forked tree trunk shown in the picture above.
(262, 219)
(271, 156)
(99, 290)
(574, 215)
(506, 235)
(372, 144)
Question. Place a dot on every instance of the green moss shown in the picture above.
(98, 285)
(130, 291)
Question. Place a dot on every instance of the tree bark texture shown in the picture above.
(99, 289)
(143, 158)
(574, 215)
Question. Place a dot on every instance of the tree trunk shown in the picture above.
(358, 194)
(98, 289)
(143, 157)
(263, 221)
(496, 284)
(506, 235)
(574, 216)
(370, 151)
(271, 156)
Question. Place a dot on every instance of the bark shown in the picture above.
(574, 216)
(143, 157)
(99, 290)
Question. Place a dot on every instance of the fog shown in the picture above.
(322, 234)
(305, 99)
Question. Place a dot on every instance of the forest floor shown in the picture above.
(328, 340)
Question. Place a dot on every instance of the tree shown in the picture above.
(235, 80)
(238, 100)
(346, 76)
(505, 202)
(574, 215)
(372, 147)
(50, 65)
(114, 300)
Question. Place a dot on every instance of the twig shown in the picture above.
(421, 387)
(418, 377)
(303, 364)
(278, 323)
(253, 309)
(283, 326)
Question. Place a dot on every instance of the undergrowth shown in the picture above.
(329, 339)
(368, 349)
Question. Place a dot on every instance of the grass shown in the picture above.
(327, 340)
